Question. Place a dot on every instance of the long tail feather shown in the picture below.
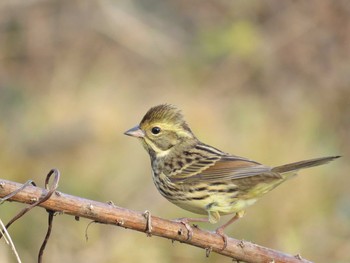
(303, 164)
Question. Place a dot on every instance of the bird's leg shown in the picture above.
(185, 221)
(220, 230)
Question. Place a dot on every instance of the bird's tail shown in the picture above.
(303, 164)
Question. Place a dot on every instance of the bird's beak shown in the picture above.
(135, 132)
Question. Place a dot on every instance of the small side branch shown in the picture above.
(144, 222)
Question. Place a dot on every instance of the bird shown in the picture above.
(200, 178)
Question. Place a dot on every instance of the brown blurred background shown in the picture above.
(268, 80)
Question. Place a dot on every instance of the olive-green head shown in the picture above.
(162, 128)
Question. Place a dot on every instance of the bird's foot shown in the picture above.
(220, 231)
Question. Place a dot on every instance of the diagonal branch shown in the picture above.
(111, 214)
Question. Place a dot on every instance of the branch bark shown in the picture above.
(111, 214)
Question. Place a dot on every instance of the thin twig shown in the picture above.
(37, 199)
(8, 240)
(48, 233)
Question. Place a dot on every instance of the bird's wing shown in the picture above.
(222, 168)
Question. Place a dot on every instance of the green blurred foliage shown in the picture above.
(239, 39)
(266, 80)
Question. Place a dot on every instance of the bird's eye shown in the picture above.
(155, 130)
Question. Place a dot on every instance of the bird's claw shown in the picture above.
(221, 233)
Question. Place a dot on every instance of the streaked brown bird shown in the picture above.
(200, 178)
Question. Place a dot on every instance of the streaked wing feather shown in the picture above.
(222, 169)
(192, 169)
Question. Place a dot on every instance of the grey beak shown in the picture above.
(135, 132)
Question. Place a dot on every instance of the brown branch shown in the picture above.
(110, 214)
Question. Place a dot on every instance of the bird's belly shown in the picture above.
(236, 206)
(213, 203)
(194, 206)
(200, 199)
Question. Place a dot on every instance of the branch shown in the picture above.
(111, 214)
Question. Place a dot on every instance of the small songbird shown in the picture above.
(200, 178)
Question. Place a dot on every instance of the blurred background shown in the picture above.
(268, 80)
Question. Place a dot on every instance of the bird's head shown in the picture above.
(162, 128)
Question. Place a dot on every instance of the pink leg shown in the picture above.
(220, 230)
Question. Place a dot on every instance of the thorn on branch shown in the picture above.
(120, 222)
(241, 244)
(147, 215)
(33, 200)
(208, 250)
(110, 202)
(184, 221)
